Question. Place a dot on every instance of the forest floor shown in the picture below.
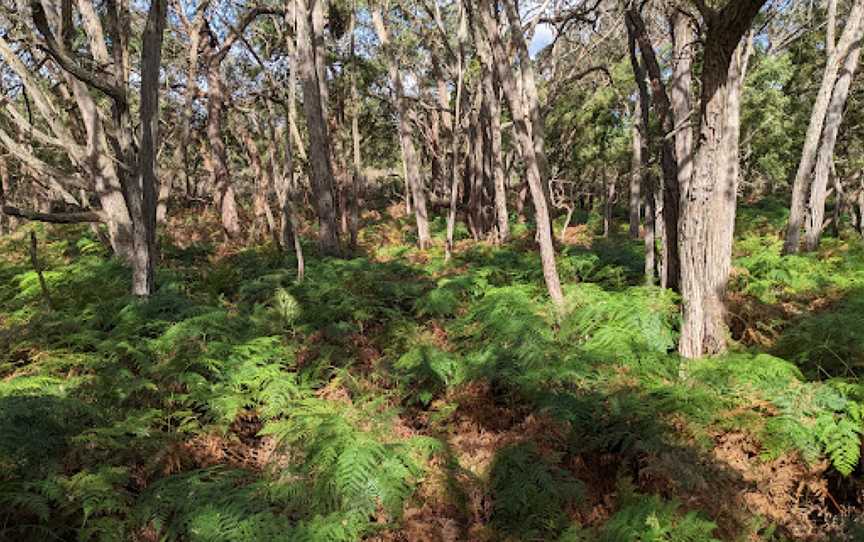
(394, 396)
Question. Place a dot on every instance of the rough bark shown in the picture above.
(222, 186)
(490, 95)
(802, 182)
(708, 202)
(142, 205)
(319, 140)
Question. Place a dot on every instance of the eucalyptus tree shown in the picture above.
(524, 110)
(405, 114)
(94, 103)
(700, 173)
(309, 65)
(825, 115)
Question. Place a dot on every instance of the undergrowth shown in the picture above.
(240, 404)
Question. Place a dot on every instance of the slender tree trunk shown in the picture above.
(319, 141)
(142, 205)
(405, 114)
(649, 238)
(668, 161)
(642, 129)
(529, 154)
(531, 96)
(825, 158)
(608, 202)
(636, 174)
(260, 194)
(194, 31)
(861, 209)
(455, 132)
(5, 192)
(358, 182)
(801, 184)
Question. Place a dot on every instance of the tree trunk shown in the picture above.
(531, 98)
(825, 158)
(223, 188)
(260, 195)
(143, 205)
(5, 192)
(668, 159)
(358, 182)
(529, 154)
(801, 184)
(490, 95)
(708, 202)
(608, 202)
(405, 115)
(194, 30)
(319, 141)
(635, 174)
(642, 128)
(455, 131)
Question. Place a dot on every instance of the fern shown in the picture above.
(350, 469)
(531, 497)
(648, 518)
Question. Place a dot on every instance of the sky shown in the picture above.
(542, 37)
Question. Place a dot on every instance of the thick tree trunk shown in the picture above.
(801, 184)
(319, 141)
(708, 202)
(490, 95)
(825, 158)
(223, 188)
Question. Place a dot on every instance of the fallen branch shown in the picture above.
(54, 218)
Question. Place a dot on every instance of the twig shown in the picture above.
(38, 268)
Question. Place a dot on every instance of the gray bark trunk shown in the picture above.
(405, 115)
(825, 158)
(708, 203)
(319, 141)
(802, 182)
(529, 155)
(222, 186)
